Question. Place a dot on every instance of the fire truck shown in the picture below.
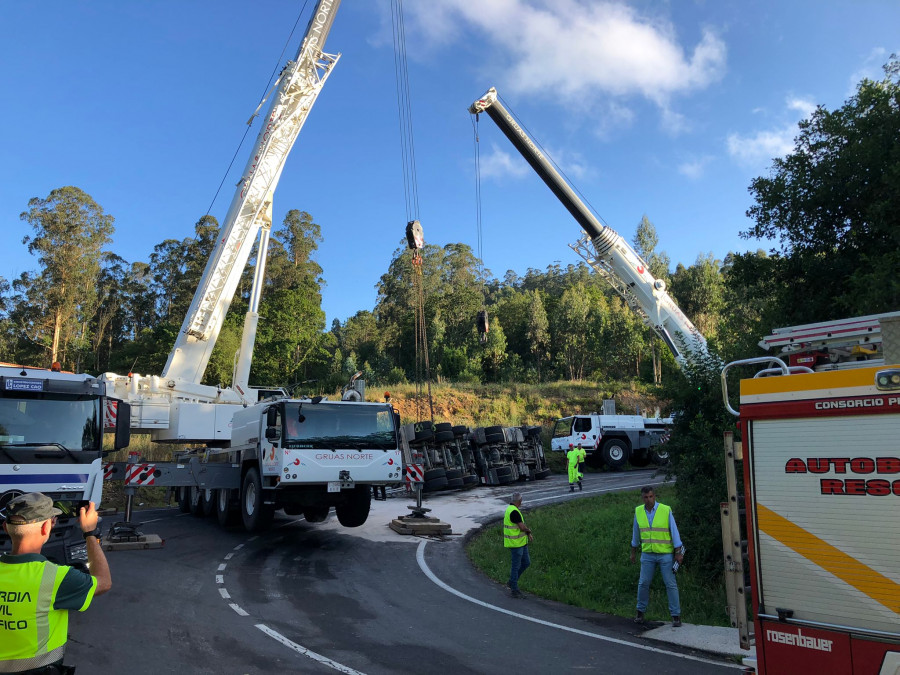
(819, 546)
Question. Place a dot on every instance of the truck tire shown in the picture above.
(196, 501)
(184, 499)
(460, 431)
(255, 514)
(504, 471)
(208, 502)
(433, 474)
(443, 426)
(615, 453)
(355, 511)
(424, 431)
(542, 474)
(453, 474)
(659, 454)
(435, 484)
(443, 436)
(470, 479)
(454, 483)
(316, 514)
(226, 512)
(494, 438)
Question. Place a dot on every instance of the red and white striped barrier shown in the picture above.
(108, 471)
(110, 414)
(140, 474)
(415, 473)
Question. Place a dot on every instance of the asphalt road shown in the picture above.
(319, 598)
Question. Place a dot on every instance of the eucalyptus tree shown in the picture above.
(71, 232)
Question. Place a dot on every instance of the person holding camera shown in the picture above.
(36, 595)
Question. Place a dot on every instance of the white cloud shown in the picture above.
(804, 106)
(694, 168)
(499, 164)
(760, 147)
(870, 68)
(572, 49)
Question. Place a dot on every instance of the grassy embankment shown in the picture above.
(580, 557)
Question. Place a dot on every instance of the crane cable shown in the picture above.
(482, 315)
(411, 197)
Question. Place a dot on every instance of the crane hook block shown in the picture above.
(415, 237)
(482, 323)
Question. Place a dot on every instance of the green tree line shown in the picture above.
(830, 206)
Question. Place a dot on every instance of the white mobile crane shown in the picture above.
(262, 451)
(175, 406)
(612, 257)
(615, 438)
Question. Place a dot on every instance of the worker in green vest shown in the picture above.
(654, 531)
(582, 456)
(572, 458)
(516, 536)
(37, 595)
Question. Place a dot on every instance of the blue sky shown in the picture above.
(667, 109)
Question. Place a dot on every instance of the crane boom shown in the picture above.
(612, 257)
(296, 90)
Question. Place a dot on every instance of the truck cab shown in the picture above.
(51, 441)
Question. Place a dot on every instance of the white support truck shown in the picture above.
(51, 441)
(821, 497)
(613, 440)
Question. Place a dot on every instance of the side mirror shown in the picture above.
(123, 425)
(273, 434)
(271, 417)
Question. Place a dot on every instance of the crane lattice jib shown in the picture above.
(297, 89)
(612, 257)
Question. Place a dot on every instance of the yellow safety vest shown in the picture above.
(513, 537)
(32, 633)
(574, 457)
(655, 538)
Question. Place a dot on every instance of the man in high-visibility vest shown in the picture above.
(37, 594)
(516, 536)
(655, 533)
(572, 458)
(582, 456)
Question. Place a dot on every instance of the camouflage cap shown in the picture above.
(33, 507)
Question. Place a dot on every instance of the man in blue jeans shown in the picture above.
(655, 533)
(516, 536)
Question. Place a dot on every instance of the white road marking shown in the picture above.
(618, 488)
(420, 558)
(224, 593)
(222, 567)
(237, 609)
(325, 661)
(220, 579)
(229, 556)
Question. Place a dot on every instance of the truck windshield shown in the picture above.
(322, 426)
(71, 421)
(563, 428)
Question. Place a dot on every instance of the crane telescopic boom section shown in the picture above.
(296, 90)
(610, 255)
